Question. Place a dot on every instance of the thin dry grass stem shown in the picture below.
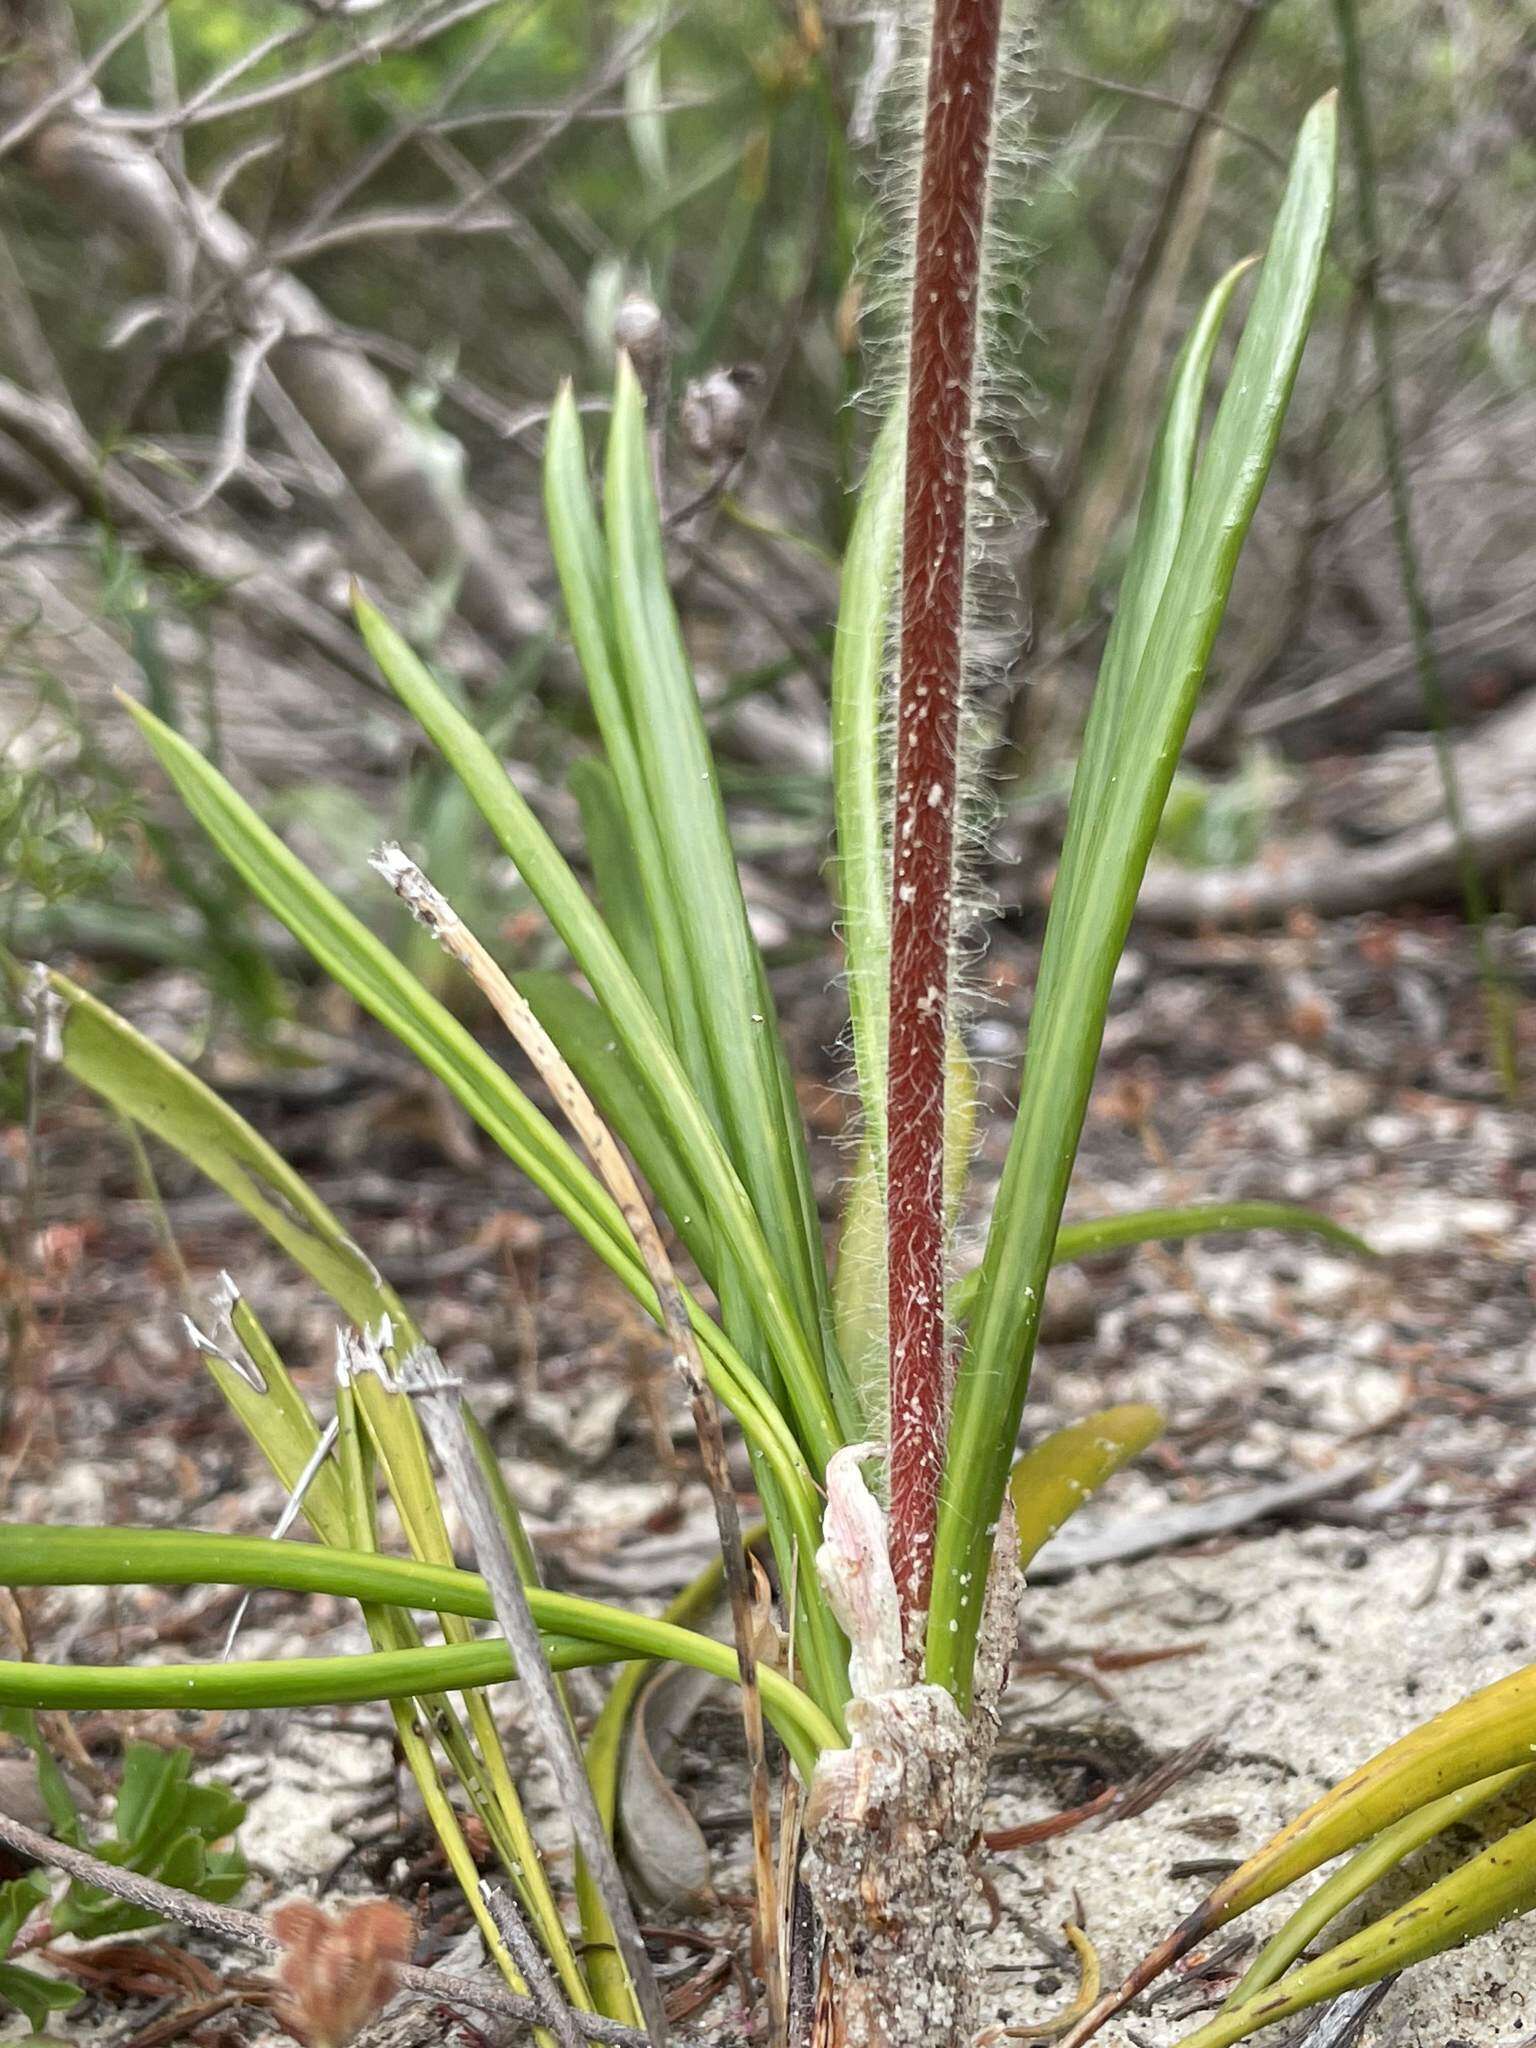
(438, 916)
(529, 1957)
(248, 1930)
(437, 1396)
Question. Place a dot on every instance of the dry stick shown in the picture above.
(436, 1395)
(1113, 332)
(529, 1958)
(1496, 993)
(397, 38)
(230, 1924)
(443, 922)
(52, 436)
(461, 217)
(1340, 882)
(79, 80)
(245, 367)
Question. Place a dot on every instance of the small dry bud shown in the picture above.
(640, 332)
(336, 1975)
(716, 413)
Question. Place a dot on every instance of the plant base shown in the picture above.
(892, 1829)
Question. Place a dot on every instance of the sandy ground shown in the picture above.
(1341, 1068)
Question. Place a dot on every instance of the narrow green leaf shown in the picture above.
(590, 1043)
(37, 1555)
(1095, 1236)
(1494, 1730)
(1054, 1478)
(1379, 1859)
(275, 1414)
(581, 561)
(612, 857)
(356, 959)
(858, 768)
(1116, 803)
(675, 1106)
(736, 1017)
(1164, 502)
(858, 1295)
(1482, 1894)
(114, 1061)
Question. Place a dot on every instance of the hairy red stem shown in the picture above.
(946, 297)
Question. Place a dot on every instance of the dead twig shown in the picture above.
(439, 917)
(529, 1957)
(1341, 881)
(229, 1923)
(1147, 1534)
(245, 367)
(437, 1398)
(79, 80)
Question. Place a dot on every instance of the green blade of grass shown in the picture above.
(351, 954)
(1378, 1859)
(36, 1555)
(611, 856)
(1164, 502)
(589, 1042)
(147, 1085)
(858, 776)
(1482, 1894)
(381, 1675)
(278, 1421)
(1112, 823)
(1094, 1236)
(107, 1055)
(674, 1105)
(1493, 1730)
(1057, 1476)
(581, 561)
(735, 1012)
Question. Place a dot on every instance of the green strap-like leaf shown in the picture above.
(735, 1013)
(107, 1055)
(858, 776)
(674, 1105)
(1483, 1893)
(590, 1043)
(1094, 1236)
(351, 954)
(620, 891)
(40, 1556)
(1494, 1730)
(1378, 1859)
(1059, 1474)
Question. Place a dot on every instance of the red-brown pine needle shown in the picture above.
(946, 297)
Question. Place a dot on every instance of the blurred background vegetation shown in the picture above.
(285, 286)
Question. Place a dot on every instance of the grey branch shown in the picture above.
(110, 179)
(229, 1923)
(436, 1396)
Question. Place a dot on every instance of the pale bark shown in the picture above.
(107, 179)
